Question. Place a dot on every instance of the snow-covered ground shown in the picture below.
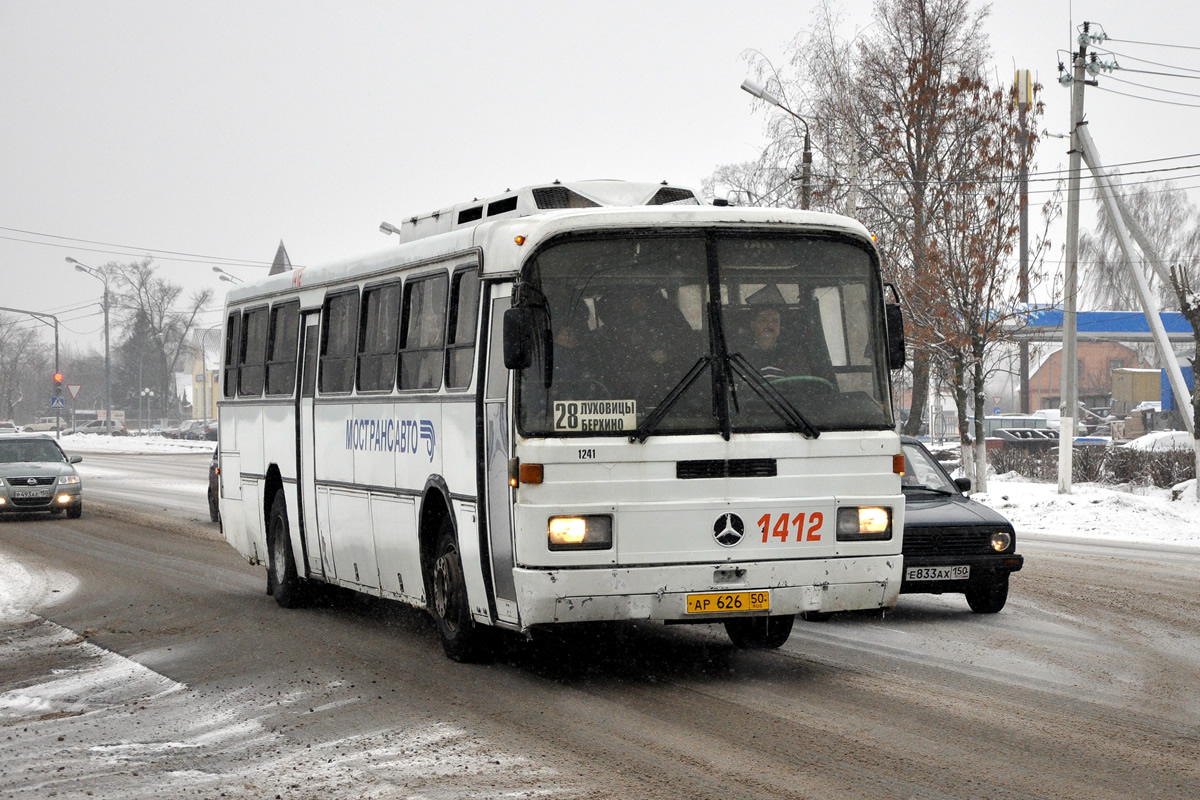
(104, 690)
(93, 443)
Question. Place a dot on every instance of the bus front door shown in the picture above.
(314, 544)
(497, 440)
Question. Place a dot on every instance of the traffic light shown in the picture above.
(58, 384)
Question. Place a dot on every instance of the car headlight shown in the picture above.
(1001, 541)
(864, 524)
(592, 532)
(67, 479)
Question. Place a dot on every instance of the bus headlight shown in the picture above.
(592, 532)
(864, 524)
(1001, 540)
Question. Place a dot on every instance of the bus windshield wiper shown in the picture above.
(920, 487)
(664, 407)
(776, 401)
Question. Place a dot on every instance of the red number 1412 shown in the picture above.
(785, 523)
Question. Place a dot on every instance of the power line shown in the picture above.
(1154, 44)
(1152, 88)
(165, 255)
(1155, 63)
(1161, 74)
(1148, 99)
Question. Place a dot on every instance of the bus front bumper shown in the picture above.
(661, 592)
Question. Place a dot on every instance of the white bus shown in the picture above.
(561, 405)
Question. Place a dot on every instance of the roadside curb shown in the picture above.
(200, 529)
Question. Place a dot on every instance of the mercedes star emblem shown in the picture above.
(729, 530)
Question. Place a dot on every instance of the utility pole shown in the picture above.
(1070, 361)
(1024, 83)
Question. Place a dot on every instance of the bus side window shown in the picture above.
(339, 334)
(377, 339)
(464, 311)
(282, 347)
(423, 329)
(231, 334)
(252, 355)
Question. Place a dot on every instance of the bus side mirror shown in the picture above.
(518, 338)
(895, 335)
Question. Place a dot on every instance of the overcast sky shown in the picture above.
(204, 133)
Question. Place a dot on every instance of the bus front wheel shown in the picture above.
(759, 632)
(282, 580)
(462, 639)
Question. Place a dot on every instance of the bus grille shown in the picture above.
(734, 468)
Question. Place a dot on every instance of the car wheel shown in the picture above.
(282, 580)
(462, 639)
(75, 511)
(988, 598)
(759, 632)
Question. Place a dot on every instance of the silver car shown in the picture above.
(36, 475)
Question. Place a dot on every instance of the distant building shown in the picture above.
(1097, 360)
(205, 371)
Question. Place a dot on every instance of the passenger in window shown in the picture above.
(764, 351)
(574, 356)
(784, 340)
(646, 340)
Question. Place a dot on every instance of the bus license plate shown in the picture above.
(955, 573)
(728, 601)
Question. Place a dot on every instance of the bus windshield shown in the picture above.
(716, 332)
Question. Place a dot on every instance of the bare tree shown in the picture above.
(22, 362)
(1167, 219)
(155, 329)
(1184, 282)
(1169, 224)
(912, 140)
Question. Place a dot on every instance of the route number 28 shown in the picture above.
(784, 524)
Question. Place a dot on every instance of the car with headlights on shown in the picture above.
(952, 544)
(36, 475)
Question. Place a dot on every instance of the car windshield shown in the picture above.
(643, 334)
(921, 471)
(29, 451)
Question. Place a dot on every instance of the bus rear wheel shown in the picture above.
(282, 580)
(462, 639)
(759, 632)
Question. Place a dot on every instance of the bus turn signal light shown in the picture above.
(519, 473)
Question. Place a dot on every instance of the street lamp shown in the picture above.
(806, 164)
(226, 276)
(100, 276)
(149, 395)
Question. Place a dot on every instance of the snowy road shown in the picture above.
(147, 661)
